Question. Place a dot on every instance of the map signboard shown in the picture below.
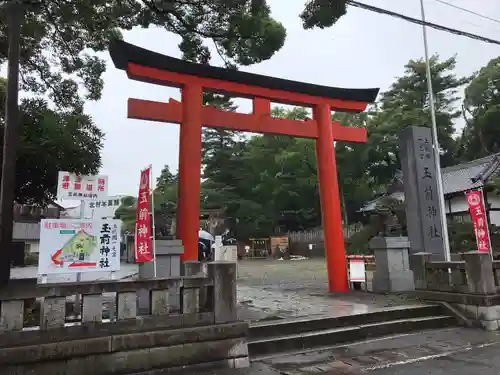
(78, 246)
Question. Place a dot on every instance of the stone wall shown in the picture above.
(205, 330)
(487, 317)
(220, 344)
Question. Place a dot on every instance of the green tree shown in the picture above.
(295, 194)
(166, 188)
(270, 182)
(51, 141)
(355, 181)
(323, 13)
(165, 204)
(126, 212)
(294, 113)
(60, 38)
(407, 103)
(165, 200)
(481, 135)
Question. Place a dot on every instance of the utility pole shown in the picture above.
(435, 141)
(14, 12)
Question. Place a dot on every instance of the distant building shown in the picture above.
(26, 229)
(457, 180)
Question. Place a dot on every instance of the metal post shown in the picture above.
(437, 156)
(152, 192)
(10, 137)
(78, 297)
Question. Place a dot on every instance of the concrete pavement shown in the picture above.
(448, 351)
(390, 354)
(483, 360)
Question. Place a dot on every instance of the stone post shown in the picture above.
(479, 270)
(418, 263)
(168, 264)
(392, 268)
(191, 297)
(224, 302)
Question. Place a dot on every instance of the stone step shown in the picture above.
(294, 326)
(261, 347)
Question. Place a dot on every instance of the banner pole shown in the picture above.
(78, 297)
(135, 241)
(486, 218)
(151, 188)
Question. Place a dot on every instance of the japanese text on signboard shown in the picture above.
(105, 203)
(477, 213)
(143, 245)
(424, 150)
(108, 243)
(77, 187)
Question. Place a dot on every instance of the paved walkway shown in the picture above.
(483, 360)
(447, 351)
(387, 355)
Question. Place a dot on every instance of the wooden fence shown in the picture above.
(299, 242)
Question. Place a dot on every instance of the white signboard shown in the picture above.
(72, 246)
(357, 271)
(227, 253)
(102, 208)
(77, 187)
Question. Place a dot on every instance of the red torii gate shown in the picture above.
(147, 66)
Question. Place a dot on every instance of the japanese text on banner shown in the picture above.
(478, 215)
(143, 245)
(433, 227)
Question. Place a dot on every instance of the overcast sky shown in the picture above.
(364, 49)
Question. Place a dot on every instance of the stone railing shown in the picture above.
(42, 340)
(471, 285)
(475, 274)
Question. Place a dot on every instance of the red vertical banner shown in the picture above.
(143, 246)
(479, 220)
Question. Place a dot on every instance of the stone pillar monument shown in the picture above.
(423, 214)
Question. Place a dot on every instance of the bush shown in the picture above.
(31, 259)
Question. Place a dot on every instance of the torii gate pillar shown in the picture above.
(330, 201)
(188, 201)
